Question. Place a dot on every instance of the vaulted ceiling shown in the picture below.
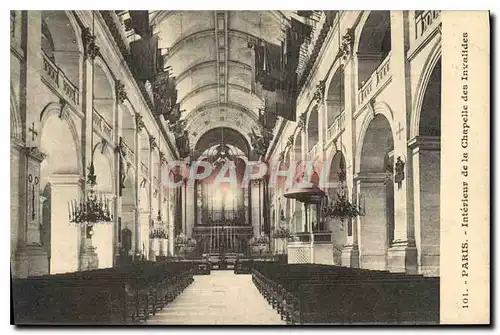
(213, 63)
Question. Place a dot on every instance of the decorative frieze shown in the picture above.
(90, 49)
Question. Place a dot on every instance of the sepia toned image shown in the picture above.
(259, 167)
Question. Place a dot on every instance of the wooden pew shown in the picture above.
(307, 293)
(104, 296)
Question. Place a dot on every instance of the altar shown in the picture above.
(222, 238)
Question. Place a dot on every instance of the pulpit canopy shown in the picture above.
(305, 187)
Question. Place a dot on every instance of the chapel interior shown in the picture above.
(113, 115)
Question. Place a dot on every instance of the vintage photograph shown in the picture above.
(220, 167)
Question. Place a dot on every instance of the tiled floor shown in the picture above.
(221, 298)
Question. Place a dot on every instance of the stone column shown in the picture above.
(372, 227)
(128, 218)
(189, 210)
(31, 258)
(30, 77)
(305, 144)
(257, 219)
(136, 228)
(144, 246)
(322, 129)
(426, 183)
(171, 221)
(66, 246)
(402, 254)
(350, 252)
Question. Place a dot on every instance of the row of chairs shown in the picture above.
(324, 294)
(127, 294)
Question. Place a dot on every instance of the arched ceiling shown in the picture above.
(213, 63)
(213, 138)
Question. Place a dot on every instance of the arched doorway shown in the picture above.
(376, 193)
(426, 151)
(60, 182)
(374, 44)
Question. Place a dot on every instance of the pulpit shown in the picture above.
(314, 248)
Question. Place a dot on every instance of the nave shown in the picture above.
(222, 298)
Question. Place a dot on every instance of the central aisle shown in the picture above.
(221, 298)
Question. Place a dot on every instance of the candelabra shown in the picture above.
(157, 231)
(92, 210)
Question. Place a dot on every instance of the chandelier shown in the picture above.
(94, 209)
(157, 229)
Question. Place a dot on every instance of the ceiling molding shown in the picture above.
(210, 63)
(206, 33)
(198, 112)
(207, 87)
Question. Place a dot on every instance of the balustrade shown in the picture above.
(55, 77)
(376, 80)
(313, 152)
(424, 19)
(102, 126)
(337, 127)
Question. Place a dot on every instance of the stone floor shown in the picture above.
(221, 298)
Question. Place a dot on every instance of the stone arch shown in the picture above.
(60, 182)
(62, 43)
(375, 185)
(373, 43)
(50, 112)
(297, 146)
(429, 66)
(128, 126)
(102, 239)
(313, 128)
(338, 228)
(104, 91)
(231, 136)
(335, 96)
(426, 162)
(381, 108)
